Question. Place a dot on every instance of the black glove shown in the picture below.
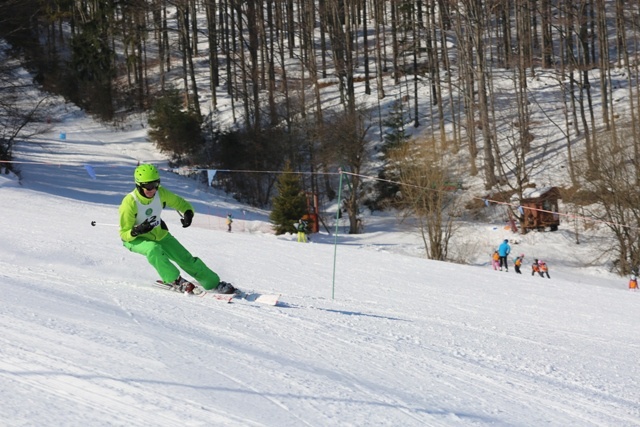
(187, 218)
(145, 227)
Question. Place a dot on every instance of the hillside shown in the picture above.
(542, 123)
(404, 341)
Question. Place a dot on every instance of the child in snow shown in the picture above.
(544, 269)
(495, 260)
(143, 231)
(518, 262)
(633, 283)
(229, 222)
(301, 227)
(535, 268)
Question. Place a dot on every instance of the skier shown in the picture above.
(495, 260)
(535, 268)
(229, 222)
(544, 269)
(540, 267)
(503, 251)
(518, 262)
(301, 226)
(143, 231)
(633, 282)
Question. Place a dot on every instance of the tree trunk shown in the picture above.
(212, 38)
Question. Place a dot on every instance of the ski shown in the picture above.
(219, 297)
(254, 297)
(197, 292)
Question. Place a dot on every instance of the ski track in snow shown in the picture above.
(413, 369)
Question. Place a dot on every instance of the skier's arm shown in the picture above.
(127, 212)
(174, 201)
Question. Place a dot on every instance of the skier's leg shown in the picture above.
(194, 266)
(156, 256)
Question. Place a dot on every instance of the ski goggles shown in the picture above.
(153, 185)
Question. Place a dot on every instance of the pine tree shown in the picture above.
(396, 135)
(289, 205)
(394, 138)
(173, 130)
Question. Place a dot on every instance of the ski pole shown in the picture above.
(94, 223)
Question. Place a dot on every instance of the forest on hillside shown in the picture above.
(274, 61)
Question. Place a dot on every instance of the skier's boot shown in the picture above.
(225, 288)
(184, 286)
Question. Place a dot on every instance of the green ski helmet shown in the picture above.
(146, 173)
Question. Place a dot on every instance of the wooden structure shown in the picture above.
(540, 210)
(312, 213)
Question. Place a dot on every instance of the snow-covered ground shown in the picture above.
(394, 340)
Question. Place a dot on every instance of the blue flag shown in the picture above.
(90, 171)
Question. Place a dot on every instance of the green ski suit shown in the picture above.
(158, 245)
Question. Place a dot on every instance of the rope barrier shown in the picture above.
(366, 177)
(572, 216)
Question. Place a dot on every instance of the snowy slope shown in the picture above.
(405, 342)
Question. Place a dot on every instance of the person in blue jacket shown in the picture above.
(503, 251)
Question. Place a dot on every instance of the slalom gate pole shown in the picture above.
(335, 237)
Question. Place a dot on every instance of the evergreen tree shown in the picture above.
(394, 138)
(93, 61)
(174, 130)
(289, 205)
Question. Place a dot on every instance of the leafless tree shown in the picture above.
(20, 109)
(344, 136)
(425, 198)
(614, 188)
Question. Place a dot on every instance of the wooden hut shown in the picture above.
(540, 209)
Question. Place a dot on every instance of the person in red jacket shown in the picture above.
(143, 231)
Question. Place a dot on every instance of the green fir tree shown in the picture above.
(289, 205)
(174, 130)
(394, 138)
